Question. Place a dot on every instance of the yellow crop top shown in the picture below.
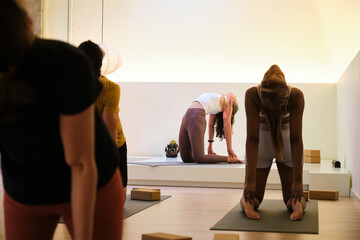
(108, 101)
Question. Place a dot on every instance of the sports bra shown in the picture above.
(210, 102)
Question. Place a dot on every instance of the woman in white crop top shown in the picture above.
(274, 130)
(222, 109)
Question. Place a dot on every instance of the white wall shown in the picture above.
(348, 89)
(151, 114)
(358, 24)
(56, 19)
(213, 41)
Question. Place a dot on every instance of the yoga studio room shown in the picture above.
(193, 119)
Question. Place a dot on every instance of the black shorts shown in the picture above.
(123, 163)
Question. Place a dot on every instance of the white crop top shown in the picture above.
(210, 102)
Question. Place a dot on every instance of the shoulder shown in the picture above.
(109, 84)
(296, 98)
(252, 95)
(252, 98)
(251, 92)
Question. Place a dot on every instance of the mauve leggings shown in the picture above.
(191, 138)
(34, 222)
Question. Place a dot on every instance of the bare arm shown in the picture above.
(252, 139)
(111, 120)
(297, 148)
(77, 133)
(211, 125)
(227, 111)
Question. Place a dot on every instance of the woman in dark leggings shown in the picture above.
(222, 109)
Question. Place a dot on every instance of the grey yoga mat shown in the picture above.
(134, 206)
(161, 163)
(274, 217)
(174, 163)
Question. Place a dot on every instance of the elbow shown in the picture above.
(83, 164)
(227, 126)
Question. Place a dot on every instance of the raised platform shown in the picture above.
(172, 172)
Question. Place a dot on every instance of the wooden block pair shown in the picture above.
(146, 194)
(312, 156)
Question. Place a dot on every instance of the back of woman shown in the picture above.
(56, 154)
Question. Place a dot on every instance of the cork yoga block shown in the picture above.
(315, 159)
(306, 195)
(324, 195)
(312, 153)
(219, 236)
(147, 194)
(163, 236)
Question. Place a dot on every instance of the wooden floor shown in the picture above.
(192, 211)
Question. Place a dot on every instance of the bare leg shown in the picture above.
(297, 207)
(250, 208)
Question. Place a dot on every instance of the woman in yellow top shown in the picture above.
(107, 105)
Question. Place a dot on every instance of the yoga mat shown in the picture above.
(155, 164)
(173, 163)
(274, 217)
(134, 206)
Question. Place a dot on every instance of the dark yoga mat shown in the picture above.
(134, 206)
(274, 217)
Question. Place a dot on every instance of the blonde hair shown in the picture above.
(274, 93)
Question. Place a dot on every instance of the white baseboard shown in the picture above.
(354, 194)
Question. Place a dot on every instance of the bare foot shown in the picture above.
(249, 210)
(298, 211)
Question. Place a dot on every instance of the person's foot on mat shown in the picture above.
(298, 211)
(249, 210)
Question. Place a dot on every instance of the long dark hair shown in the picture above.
(15, 42)
(219, 121)
(93, 51)
(274, 94)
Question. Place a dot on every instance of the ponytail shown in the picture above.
(274, 94)
(274, 121)
(219, 121)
